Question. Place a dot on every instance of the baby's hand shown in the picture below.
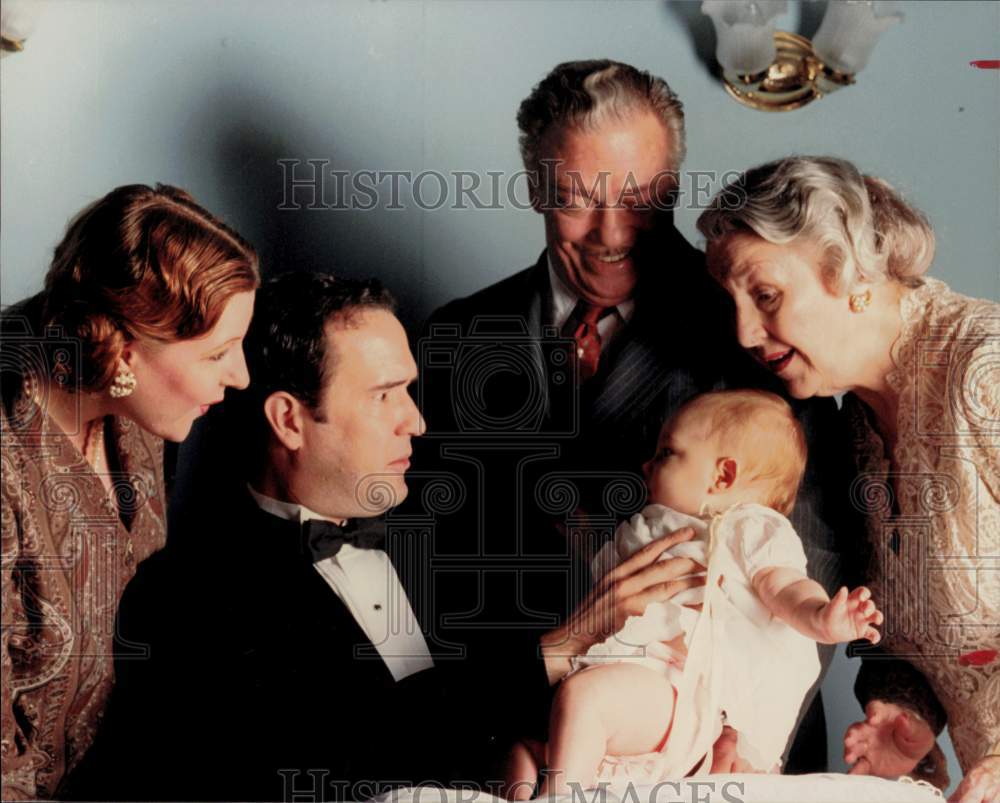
(847, 617)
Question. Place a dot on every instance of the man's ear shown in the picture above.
(285, 414)
(726, 471)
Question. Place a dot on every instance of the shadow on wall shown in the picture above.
(811, 17)
(688, 13)
(243, 137)
(237, 137)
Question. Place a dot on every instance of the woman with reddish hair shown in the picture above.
(137, 332)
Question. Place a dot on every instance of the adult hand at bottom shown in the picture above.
(725, 754)
(981, 783)
(889, 743)
(623, 592)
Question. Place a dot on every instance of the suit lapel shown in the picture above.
(638, 372)
(644, 363)
(637, 376)
(533, 300)
(521, 319)
(310, 609)
(535, 317)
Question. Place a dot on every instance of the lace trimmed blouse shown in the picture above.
(932, 507)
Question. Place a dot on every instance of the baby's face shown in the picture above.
(684, 466)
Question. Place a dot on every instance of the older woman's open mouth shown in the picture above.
(779, 360)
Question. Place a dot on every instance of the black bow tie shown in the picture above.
(323, 539)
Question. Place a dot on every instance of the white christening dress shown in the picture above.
(743, 665)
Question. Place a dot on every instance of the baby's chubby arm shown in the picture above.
(802, 603)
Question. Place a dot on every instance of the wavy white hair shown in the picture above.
(869, 233)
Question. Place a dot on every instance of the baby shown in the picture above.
(649, 703)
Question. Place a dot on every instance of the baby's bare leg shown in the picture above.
(521, 773)
(617, 709)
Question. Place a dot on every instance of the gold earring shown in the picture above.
(123, 385)
(860, 301)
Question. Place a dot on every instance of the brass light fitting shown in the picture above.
(777, 71)
(796, 77)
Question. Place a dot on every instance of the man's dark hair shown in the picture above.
(286, 344)
(583, 94)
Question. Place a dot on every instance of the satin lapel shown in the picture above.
(318, 609)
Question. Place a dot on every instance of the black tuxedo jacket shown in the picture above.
(257, 682)
(529, 448)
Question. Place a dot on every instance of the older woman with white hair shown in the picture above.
(826, 269)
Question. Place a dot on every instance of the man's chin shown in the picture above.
(609, 291)
(607, 296)
(381, 494)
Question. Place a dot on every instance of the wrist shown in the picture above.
(557, 647)
(556, 667)
(811, 612)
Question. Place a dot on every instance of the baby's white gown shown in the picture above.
(741, 660)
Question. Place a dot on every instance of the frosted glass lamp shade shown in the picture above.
(18, 19)
(744, 31)
(849, 31)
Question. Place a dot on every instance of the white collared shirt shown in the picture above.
(564, 301)
(367, 583)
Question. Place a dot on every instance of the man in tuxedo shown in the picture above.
(331, 422)
(550, 386)
(278, 656)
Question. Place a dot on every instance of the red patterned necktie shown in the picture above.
(588, 338)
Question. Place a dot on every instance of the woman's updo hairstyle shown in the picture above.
(869, 233)
(141, 263)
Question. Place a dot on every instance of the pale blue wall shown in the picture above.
(210, 95)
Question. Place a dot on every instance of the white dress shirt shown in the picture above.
(564, 301)
(367, 583)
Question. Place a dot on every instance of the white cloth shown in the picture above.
(818, 788)
(367, 583)
(741, 659)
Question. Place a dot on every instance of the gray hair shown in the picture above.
(870, 234)
(583, 94)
